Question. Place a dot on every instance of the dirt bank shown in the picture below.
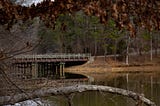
(104, 68)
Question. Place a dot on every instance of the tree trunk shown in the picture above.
(95, 46)
(151, 46)
(127, 50)
(105, 53)
(115, 51)
(156, 45)
(73, 89)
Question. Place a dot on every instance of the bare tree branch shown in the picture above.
(73, 89)
(12, 83)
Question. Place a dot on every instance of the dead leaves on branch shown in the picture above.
(94, 8)
(126, 13)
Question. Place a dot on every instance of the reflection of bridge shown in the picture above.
(46, 65)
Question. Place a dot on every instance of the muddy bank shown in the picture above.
(106, 69)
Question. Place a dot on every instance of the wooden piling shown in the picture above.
(34, 70)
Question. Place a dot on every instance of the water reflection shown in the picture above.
(94, 99)
(147, 84)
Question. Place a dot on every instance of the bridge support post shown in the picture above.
(55, 71)
(24, 70)
(62, 74)
(60, 69)
(34, 70)
(30, 70)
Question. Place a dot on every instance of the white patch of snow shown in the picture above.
(30, 103)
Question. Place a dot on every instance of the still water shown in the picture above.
(144, 83)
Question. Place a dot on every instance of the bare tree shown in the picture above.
(21, 38)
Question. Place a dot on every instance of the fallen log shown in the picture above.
(73, 89)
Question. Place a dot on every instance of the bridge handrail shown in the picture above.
(55, 56)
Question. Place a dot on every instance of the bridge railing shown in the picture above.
(53, 56)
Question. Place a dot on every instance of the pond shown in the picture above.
(143, 83)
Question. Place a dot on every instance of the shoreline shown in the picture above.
(101, 69)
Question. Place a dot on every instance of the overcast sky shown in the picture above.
(29, 2)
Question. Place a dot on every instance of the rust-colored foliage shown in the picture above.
(126, 13)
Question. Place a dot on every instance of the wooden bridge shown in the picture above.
(45, 65)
